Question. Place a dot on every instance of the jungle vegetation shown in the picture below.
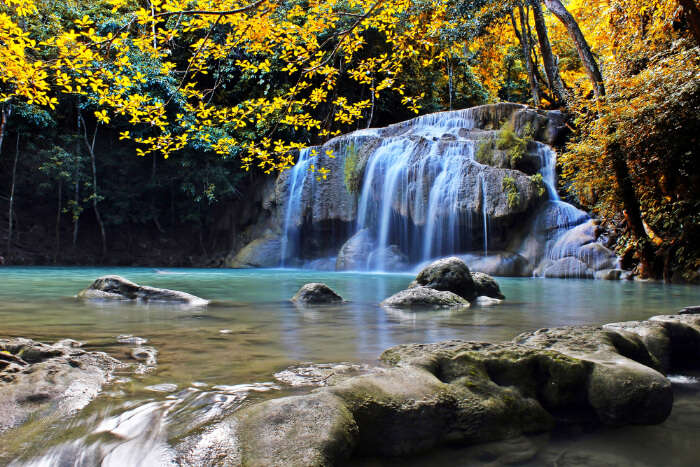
(123, 114)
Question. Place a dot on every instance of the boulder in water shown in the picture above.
(425, 297)
(447, 274)
(609, 274)
(354, 252)
(40, 383)
(316, 293)
(146, 354)
(486, 286)
(499, 263)
(567, 268)
(119, 288)
(597, 256)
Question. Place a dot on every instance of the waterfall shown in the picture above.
(422, 195)
(298, 176)
(484, 214)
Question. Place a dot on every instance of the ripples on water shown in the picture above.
(251, 344)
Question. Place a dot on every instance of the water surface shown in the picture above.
(203, 373)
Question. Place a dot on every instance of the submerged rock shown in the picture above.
(146, 354)
(447, 274)
(425, 297)
(49, 382)
(486, 286)
(461, 392)
(119, 288)
(316, 293)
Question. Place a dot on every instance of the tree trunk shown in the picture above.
(6, 110)
(525, 43)
(632, 211)
(371, 112)
(692, 13)
(12, 201)
(551, 67)
(91, 150)
(584, 50)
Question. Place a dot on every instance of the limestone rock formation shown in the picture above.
(265, 252)
(46, 381)
(119, 288)
(461, 392)
(354, 254)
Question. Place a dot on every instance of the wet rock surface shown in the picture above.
(119, 288)
(462, 393)
(48, 381)
(426, 298)
(316, 293)
(447, 274)
(486, 286)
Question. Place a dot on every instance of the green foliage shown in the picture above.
(649, 126)
(516, 146)
(484, 153)
(511, 189)
(539, 183)
(352, 173)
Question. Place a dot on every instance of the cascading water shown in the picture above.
(484, 215)
(298, 176)
(421, 194)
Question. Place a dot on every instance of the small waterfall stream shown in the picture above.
(298, 176)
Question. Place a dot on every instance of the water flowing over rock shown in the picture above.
(50, 382)
(460, 393)
(402, 195)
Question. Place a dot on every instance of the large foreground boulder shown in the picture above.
(44, 383)
(448, 274)
(425, 297)
(316, 293)
(461, 392)
(119, 288)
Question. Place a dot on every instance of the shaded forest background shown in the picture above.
(81, 195)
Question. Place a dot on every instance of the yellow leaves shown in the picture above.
(317, 45)
(102, 116)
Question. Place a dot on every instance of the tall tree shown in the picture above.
(590, 64)
(524, 37)
(551, 67)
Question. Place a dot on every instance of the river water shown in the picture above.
(212, 360)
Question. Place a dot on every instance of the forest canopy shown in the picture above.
(222, 87)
